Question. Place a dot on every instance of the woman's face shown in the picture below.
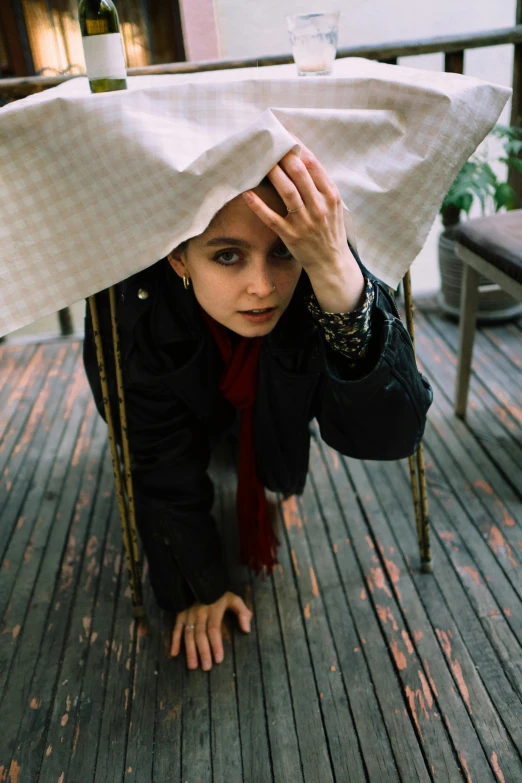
(239, 266)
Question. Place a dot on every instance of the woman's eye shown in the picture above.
(282, 252)
(226, 257)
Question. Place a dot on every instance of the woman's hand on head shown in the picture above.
(206, 637)
(314, 230)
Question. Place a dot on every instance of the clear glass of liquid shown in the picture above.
(314, 40)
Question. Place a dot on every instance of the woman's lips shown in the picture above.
(259, 315)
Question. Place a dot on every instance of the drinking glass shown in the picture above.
(314, 42)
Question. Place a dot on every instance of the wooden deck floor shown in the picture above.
(358, 667)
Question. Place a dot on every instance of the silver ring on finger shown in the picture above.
(188, 626)
(291, 211)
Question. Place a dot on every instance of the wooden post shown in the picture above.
(454, 62)
(515, 177)
(15, 38)
(65, 321)
(163, 21)
(469, 297)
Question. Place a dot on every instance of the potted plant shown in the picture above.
(477, 180)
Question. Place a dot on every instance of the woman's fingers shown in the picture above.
(190, 647)
(292, 182)
(206, 637)
(296, 188)
(202, 643)
(241, 609)
(267, 215)
(285, 185)
(196, 640)
(321, 179)
(215, 635)
(301, 183)
(177, 633)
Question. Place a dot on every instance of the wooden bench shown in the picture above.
(489, 246)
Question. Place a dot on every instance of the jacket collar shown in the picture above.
(176, 315)
(174, 312)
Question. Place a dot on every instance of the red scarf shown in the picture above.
(258, 542)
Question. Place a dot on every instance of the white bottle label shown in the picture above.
(104, 56)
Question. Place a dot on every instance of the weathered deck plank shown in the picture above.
(485, 690)
(358, 667)
(310, 554)
(226, 726)
(429, 688)
(65, 731)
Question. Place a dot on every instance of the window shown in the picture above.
(47, 32)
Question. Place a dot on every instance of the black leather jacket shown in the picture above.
(175, 413)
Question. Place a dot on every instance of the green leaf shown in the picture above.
(484, 184)
(476, 179)
(513, 147)
(510, 132)
(465, 201)
(516, 163)
(505, 197)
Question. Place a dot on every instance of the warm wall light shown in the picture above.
(43, 40)
(135, 43)
(56, 42)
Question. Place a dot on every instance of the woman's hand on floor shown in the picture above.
(206, 636)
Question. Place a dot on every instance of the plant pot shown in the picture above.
(492, 307)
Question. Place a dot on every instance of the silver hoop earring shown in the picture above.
(186, 281)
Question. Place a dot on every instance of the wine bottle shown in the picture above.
(102, 45)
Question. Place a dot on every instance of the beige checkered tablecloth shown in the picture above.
(97, 187)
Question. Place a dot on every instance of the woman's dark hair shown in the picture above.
(265, 183)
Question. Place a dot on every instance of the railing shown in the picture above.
(453, 48)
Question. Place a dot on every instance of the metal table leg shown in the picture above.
(416, 461)
(125, 501)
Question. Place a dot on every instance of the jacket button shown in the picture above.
(143, 293)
